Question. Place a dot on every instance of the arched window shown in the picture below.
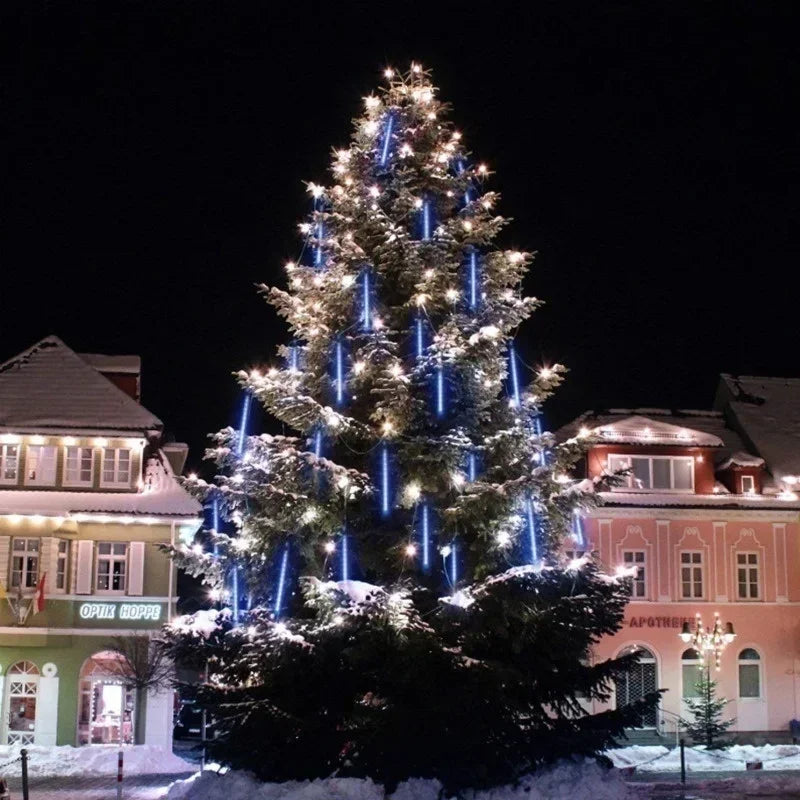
(23, 688)
(691, 666)
(107, 701)
(749, 674)
(638, 681)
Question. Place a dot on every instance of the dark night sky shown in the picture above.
(648, 152)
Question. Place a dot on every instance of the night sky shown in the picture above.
(648, 152)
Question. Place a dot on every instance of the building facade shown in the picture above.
(708, 520)
(87, 495)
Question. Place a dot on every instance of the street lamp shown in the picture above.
(708, 641)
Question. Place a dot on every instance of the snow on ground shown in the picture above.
(140, 759)
(565, 781)
(729, 759)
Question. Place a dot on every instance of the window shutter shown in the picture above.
(45, 563)
(136, 568)
(5, 546)
(83, 570)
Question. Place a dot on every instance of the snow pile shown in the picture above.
(202, 623)
(65, 760)
(565, 781)
(729, 759)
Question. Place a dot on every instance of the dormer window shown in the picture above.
(9, 463)
(40, 465)
(654, 473)
(79, 466)
(748, 484)
(116, 467)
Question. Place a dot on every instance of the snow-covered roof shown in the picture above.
(640, 429)
(766, 412)
(741, 459)
(722, 499)
(122, 365)
(161, 496)
(51, 386)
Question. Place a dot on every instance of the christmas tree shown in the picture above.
(393, 596)
(707, 725)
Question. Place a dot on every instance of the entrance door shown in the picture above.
(22, 685)
(107, 703)
(637, 682)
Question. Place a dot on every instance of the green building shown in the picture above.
(87, 493)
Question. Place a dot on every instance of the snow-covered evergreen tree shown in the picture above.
(401, 605)
(707, 725)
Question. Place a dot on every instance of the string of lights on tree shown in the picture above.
(389, 140)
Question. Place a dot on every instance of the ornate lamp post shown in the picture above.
(707, 641)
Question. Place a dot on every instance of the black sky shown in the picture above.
(648, 152)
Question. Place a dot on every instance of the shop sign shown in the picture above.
(658, 622)
(122, 611)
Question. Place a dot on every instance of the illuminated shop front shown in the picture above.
(107, 709)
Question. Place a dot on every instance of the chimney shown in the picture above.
(123, 371)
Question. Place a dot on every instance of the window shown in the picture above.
(111, 562)
(9, 463)
(78, 471)
(61, 563)
(116, 467)
(40, 465)
(665, 473)
(748, 484)
(749, 674)
(691, 664)
(23, 686)
(691, 575)
(636, 558)
(571, 555)
(747, 576)
(24, 563)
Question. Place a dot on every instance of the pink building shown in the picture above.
(710, 519)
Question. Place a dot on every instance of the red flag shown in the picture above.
(38, 598)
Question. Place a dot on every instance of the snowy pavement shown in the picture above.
(94, 787)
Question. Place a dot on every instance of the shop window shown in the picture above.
(22, 686)
(107, 709)
(749, 674)
(9, 463)
(40, 465)
(24, 563)
(116, 467)
(637, 559)
(691, 575)
(112, 560)
(691, 667)
(747, 576)
(79, 462)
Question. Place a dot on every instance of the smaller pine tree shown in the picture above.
(707, 725)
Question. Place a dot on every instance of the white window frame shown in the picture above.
(5, 458)
(748, 567)
(693, 565)
(617, 461)
(67, 481)
(112, 558)
(740, 662)
(115, 483)
(640, 565)
(26, 555)
(751, 480)
(62, 564)
(41, 481)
